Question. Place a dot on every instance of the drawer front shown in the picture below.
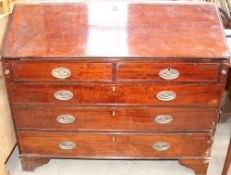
(114, 145)
(117, 94)
(62, 71)
(113, 118)
(167, 71)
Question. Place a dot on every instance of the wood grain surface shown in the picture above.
(34, 117)
(138, 94)
(79, 72)
(123, 30)
(116, 145)
(150, 72)
(115, 53)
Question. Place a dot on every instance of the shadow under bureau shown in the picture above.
(115, 81)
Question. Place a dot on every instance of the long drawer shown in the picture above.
(62, 71)
(114, 145)
(144, 94)
(162, 119)
(191, 72)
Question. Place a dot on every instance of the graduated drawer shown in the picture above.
(143, 94)
(191, 72)
(62, 71)
(115, 145)
(113, 118)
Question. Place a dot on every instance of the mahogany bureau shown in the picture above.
(115, 81)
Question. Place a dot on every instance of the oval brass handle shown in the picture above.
(163, 119)
(67, 145)
(161, 146)
(63, 95)
(169, 73)
(66, 119)
(166, 95)
(61, 72)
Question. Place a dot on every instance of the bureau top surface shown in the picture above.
(158, 30)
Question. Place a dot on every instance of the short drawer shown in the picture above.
(62, 71)
(190, 72)
(143, 94)
(113, 118)
(115, 145)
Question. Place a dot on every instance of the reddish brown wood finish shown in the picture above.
(79, 72)
(74, 60)
(199, 166)
(141, 94)
(150, 72)
(124, 119)
(123, 30)
(101, 145)
(125, 72)
(30, 163)
(115, 59)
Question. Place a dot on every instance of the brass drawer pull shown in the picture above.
(63, 95)
(68, 145)
(61, 72)
(166, 95)
(169, 74)
(161, 146)
(163, 119)
(65, 119)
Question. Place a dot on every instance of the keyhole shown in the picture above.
(113, 138)
(7, 71)
(113, 113)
